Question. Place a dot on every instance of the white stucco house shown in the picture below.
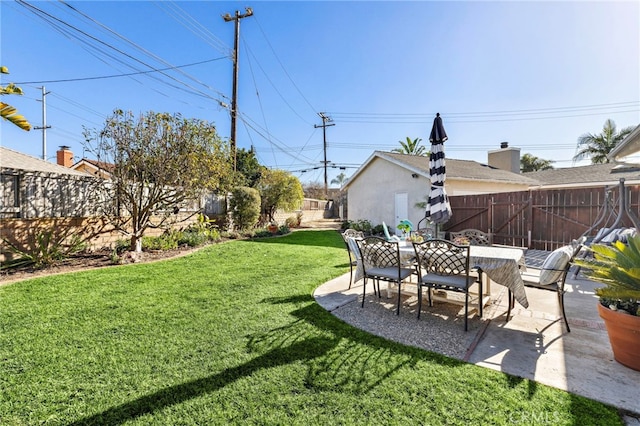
(388, 185)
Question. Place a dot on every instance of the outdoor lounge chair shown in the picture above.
(381, 261)
(387, 235)
(552, 275)
(444, 265)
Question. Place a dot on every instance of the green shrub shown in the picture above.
(377, 230)
(193, 238)
(359, 225)
(245, 207)
(283, 229)
(167, 241)
(121, 246)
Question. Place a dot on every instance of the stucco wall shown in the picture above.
(371, 195)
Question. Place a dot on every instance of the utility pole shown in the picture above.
(325, 119)
(234, 96)
(44, 126)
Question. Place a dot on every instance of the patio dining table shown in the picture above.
(501, 264)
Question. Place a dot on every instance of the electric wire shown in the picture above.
(282, 65)
(194, 26)
(141, 49)
(264, 118)
(49, 18)
(66, 80)
(277, 90)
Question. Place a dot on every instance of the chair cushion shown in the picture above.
(457, 281)
(389, 273)
(554, 265)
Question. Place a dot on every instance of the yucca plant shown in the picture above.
(617, 266)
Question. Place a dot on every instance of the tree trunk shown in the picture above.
(136, 244)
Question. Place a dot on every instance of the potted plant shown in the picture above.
(273, 227)
(618, 267)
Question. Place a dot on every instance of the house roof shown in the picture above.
(456, 169)
(628, 146)
(100, 165)
(10, 159)
(591, 175)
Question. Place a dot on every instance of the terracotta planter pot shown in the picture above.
(624, 336)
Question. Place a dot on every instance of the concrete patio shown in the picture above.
(533, 344)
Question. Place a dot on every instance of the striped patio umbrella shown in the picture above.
(438, 208)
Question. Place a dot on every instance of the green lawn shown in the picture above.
(231, 334)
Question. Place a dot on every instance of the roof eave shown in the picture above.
(628, 146)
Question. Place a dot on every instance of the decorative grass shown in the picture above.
(231, 334)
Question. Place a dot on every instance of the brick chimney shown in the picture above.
(64, 156)
(505, 158)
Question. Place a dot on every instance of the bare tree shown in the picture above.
(161, 163)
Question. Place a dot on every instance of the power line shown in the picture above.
(283, 67)
(61, 26)
(66, 80)
(483, 117)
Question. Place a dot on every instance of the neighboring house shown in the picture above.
(593, 175)
(623, 166)
(32, 188)
(388, 185)
(94, 168)
(101, 169)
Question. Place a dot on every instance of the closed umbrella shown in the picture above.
(438, 208)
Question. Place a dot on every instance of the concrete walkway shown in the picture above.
(533, 345)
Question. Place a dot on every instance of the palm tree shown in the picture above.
(339, 180)
(531, 163)
(7, 111)
(597, 147)
(411, 147)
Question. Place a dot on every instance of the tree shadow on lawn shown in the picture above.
(337, 356)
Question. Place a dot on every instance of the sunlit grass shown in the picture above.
(231, 334)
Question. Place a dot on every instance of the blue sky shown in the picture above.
(535, 74)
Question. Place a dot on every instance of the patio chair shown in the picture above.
(552, 275)
(381, 261)
(475, 237)
(353, 256)
(387, 235)
(444, 265)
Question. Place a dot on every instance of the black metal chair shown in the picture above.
(474, 236)
(444, 265)
(353, 262)
(381, 261)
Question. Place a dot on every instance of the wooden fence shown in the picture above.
(545, 219)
